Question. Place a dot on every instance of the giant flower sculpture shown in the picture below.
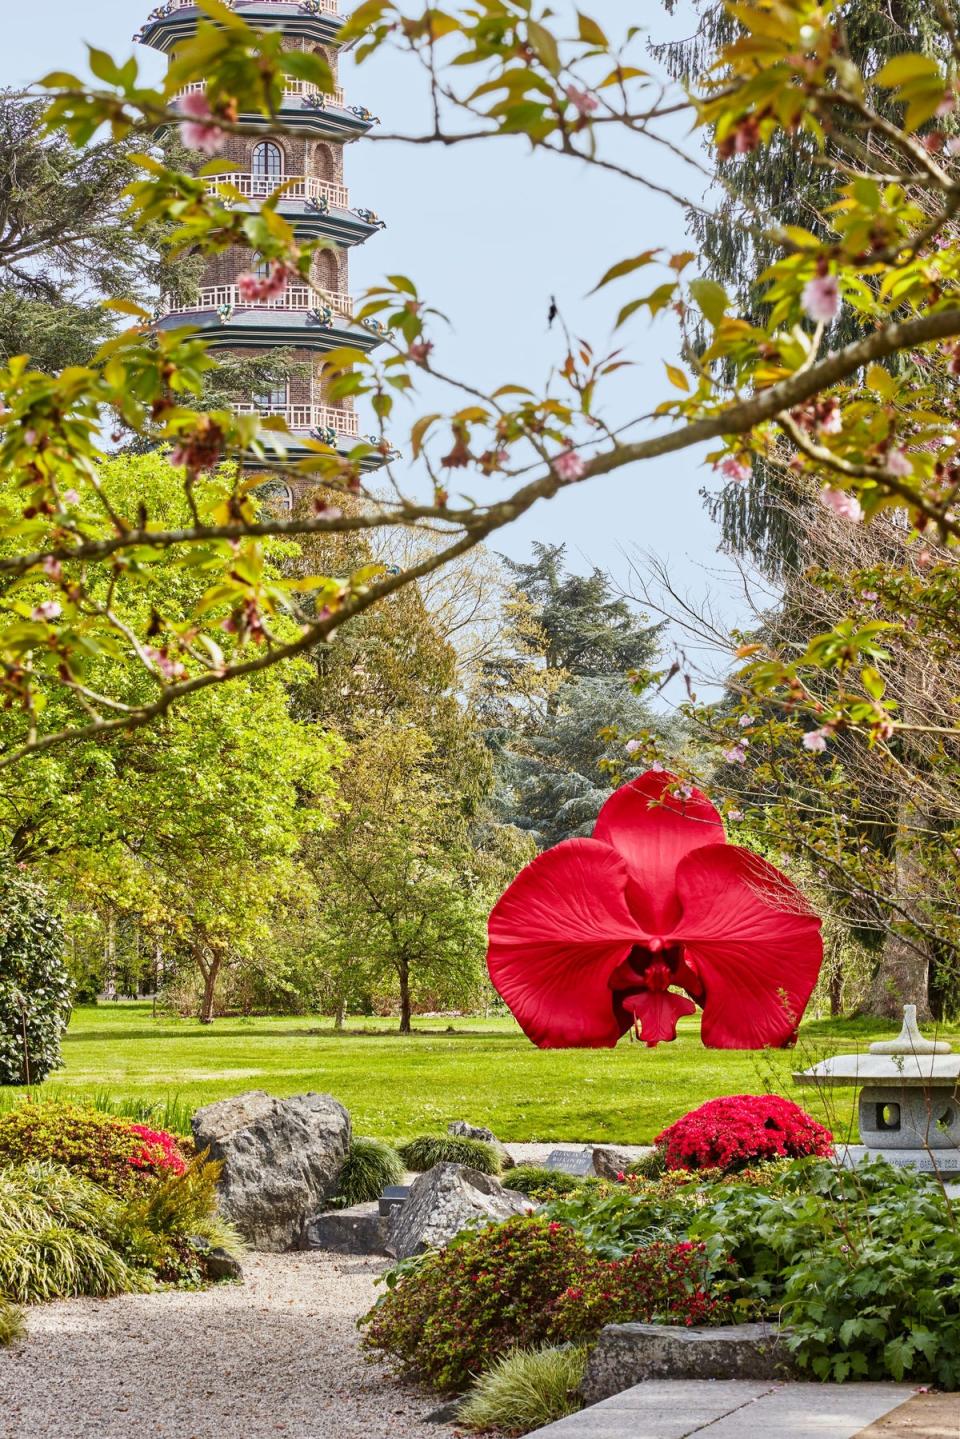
(598, 935)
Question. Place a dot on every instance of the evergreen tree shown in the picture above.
(556, 696)
(784, 183)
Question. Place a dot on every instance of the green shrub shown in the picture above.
(541, 1184)
(34, 987)
(427, 1150)
(371, 1165)
(12, 1326)
(490, 1291)
(525, 1390)
(522, 1284)
(97, 1146)
(58, 1238)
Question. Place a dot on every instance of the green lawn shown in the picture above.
(485, 1071)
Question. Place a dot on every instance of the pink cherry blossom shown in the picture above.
(734, 815)
(898, 463)
(831, 422)
(815, 740)
(420, 351)
(48, 610)
(569, 466)
(735, 469)
(583, 100)
(199, 132)
(821, 298)
(738, 754)
(632, 745)
(52, 567)
(842, 503)
(254, 288)
(656, 767)
(170, 669)
(746, 720)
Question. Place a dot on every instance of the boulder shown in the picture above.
(629, 1354)
(608, 1162)
(281, 1160)
(445, 1200)
(463, 1130)
(361, 1229)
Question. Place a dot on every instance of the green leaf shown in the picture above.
(676, 377)
(626, 267)
(712, 299)
(590, 31)
(545, 45)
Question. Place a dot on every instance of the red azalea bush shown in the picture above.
(522, 1284)
(160, 1152)
(111, 1151)
(743, 1129)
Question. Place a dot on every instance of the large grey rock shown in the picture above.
(629, 1354)
(445, 1200)
(281, 1160)
(463, 1130)
(609, 1163)
(361, 1229)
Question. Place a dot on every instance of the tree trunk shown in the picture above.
(210, 972)
(904, 973)
(340, 1016)
(405, 1011)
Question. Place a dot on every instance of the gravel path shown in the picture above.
(277, 1356)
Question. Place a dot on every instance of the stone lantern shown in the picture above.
(909, 1111)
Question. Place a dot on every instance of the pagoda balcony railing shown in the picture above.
(324, 7)
(296, 89)
(300, 298)
(309, 417)
(297, 187)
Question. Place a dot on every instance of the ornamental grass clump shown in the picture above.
(424, 1152)
(371, 1166)
(525, 1390)
(12, 1326)
(743, 1129)
(542, 1185)
(60, 1236)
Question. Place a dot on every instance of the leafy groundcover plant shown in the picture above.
(522, 1284)
(744, 1129)
(112, 1152)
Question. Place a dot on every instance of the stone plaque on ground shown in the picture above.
(570, 1161)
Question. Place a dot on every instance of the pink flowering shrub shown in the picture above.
(744, 1129)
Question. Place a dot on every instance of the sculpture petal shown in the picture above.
(657, 1012)
(556, 937)
(754, 941)
(653, 830)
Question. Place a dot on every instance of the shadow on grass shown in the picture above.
(196, 1030)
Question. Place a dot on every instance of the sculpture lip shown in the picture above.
(910, 1040)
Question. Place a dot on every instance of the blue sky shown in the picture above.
(490, 232)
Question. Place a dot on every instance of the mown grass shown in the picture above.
(396, 1087)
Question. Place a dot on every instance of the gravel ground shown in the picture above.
(537, 1153)
(276, 1356)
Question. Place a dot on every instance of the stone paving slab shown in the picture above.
(925, 1416)
(734, 1409)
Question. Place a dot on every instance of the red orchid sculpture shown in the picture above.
(596, 935)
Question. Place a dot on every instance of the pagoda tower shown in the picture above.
(308, 159)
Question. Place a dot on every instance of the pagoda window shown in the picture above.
(268, 160)
(274, 398)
